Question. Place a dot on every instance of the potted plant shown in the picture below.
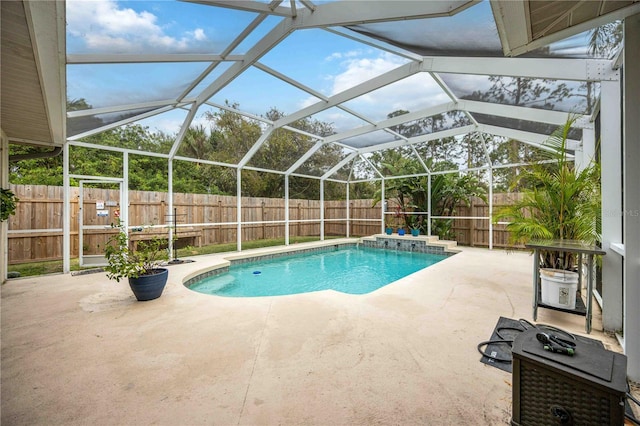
(561, 203)
(414, 225)
(141, 267)
(388, 226)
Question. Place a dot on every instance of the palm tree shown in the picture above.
(562, 204)
(196, 143)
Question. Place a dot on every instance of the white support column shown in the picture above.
(124, 203)
(611, 181)
(168, 214)
(286, 210)
(490, 208)
(586, 152)
(321, 209)
(429, 205)
(66, 211)
(239, 209)
(631, 196)
(4, 225)
(383, 202)
(348, 213)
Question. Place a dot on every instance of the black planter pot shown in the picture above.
(149, 287)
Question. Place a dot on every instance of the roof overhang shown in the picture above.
(33, 72)
(527, 25)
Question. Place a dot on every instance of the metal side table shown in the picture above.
(568, 246)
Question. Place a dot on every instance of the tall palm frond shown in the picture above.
(564, 203)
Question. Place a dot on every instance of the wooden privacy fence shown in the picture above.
(475, 232)
(35, 231)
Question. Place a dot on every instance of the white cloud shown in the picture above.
(341, 55)
(333, 56)
(355, 69)
(358, 69)
(105, 26)
(412, 93)
(199, 34)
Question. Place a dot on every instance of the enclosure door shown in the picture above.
(99, 208)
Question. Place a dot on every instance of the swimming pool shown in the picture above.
(353, 270)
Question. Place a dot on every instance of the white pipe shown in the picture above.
(348, 213)
(168, 214)
(490, 209)
(321, 210)
(239, 209)
(286, 210)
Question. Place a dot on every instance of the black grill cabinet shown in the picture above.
(550, 389)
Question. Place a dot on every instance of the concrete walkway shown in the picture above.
(81, 350)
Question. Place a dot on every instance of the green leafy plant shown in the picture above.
(124, 262)
(562, 204)
(8, 203)
(448, 192)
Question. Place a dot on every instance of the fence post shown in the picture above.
(264, 225)
(472, 227)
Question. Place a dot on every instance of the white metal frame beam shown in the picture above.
(544, 68)
(183, 131)
(225, 54)
(557, 118)
(272, 8)
(356, 13)
(382, 80)
(146, 58)
(338, 166)
(419, 139)
(266, 43)
(242, 113)
(376, 82)
(120, 123)
(395, 121)
(129, 107)
(534, 139)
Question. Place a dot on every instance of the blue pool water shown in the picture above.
(349, 270)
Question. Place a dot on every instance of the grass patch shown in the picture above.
(43, 268)
(55, 266)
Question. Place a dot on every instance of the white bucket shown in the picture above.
(559, 288)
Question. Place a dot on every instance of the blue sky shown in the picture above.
(323, 61)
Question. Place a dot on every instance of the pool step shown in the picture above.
(423, 243)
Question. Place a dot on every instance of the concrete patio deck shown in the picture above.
(81, 350)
